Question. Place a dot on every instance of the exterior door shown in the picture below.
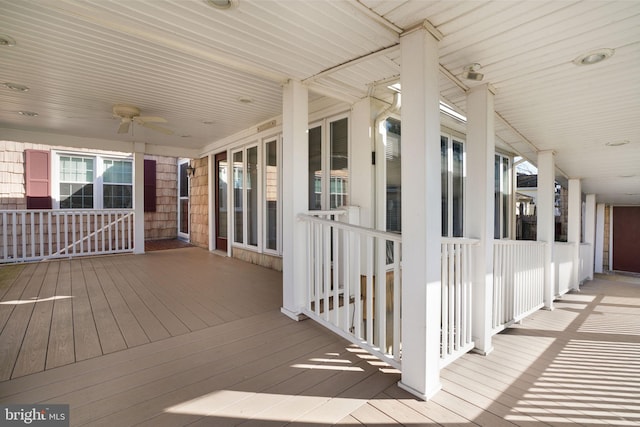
(626, 238)
(183, 200)
(221, 186)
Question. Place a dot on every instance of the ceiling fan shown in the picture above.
(128, 114)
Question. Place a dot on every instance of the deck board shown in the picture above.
(236, 360)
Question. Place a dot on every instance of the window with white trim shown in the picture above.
(452, 182)
(329, 164)
(256, 196)
(502, 196)
(83, 181)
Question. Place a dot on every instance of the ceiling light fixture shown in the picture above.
(245, 100)
(28, 113)
(594, 56)
(222, 4)
(617, 143)
(6, 40)
(470, 72)
(17, 87)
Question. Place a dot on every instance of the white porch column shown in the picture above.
(479, 211)
(590, 231)
(574, 228)
(599, 244)
(421, 215)
(295, 148)
(546, 220)
(362, 177)
(138, 197)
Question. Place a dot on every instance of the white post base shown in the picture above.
(416, 393)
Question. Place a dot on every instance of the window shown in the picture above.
(271, 208)
(392, 149)
(92, 182)
(117, 184)
(329, 164)
(452, 182)
(502, 196)
(256, 195)
(76, 182)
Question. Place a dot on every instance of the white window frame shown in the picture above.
(510, 199)
(325, 164)
(98, 166)
(245, 213)
(457, 137)
(185, 236)
(278, 140)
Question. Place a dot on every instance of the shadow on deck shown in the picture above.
(184, 336)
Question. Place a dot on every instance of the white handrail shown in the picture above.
(353, 276)
(30, 235)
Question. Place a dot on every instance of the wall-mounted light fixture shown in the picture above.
(191, 170)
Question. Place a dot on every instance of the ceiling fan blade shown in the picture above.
(124, 126)
(156, 128)
(146, 119)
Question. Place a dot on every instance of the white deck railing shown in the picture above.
(348, 291)
(30, 235)
(518, 280)
(456, 298)
(563, 264)
(586, 262)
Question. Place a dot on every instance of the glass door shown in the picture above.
(221, 187)
(183, 200)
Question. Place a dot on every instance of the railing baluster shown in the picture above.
(396, 301)
(357, 270)
(369, 292)
(336, 271)
(444, 344)
(41, 229)
(380, 299)
(5, 249)
(346, 278)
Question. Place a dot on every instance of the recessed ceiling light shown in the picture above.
(17, 87)
(28, 113)
(594, 56)
(6, 40)
(222, 4)
(617, 143)
(245, 100)
(185, 136)
(208, 122)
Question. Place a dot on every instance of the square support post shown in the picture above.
(546, 220)
(590, 232)
(479, 212)
(599, 242)
(574, 229)
(138, 197)
(295, 161)
(421, 216)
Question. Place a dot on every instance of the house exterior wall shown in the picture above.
(199, 196)
(161, 224)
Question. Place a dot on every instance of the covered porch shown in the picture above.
(200, 339)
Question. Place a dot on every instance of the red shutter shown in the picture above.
(38, 179)
(149, 185)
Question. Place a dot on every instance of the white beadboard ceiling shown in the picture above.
(190, 63)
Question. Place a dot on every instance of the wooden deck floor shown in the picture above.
(185, 337)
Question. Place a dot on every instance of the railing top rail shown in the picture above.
(506, 242)
(66, 211)
(350, 227)
(336, 212)
(460, 240)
